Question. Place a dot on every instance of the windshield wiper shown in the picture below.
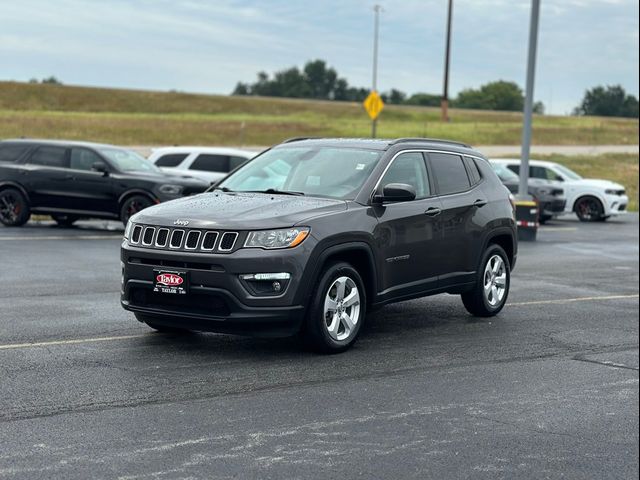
(278, 192)
(222, 189)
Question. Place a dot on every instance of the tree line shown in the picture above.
(318, 81)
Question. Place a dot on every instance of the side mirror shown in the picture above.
(100, 167)
(396, 192)
(559, 178)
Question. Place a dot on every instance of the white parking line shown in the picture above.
(571, 300)
(14, 346)
(60, 237)
(70, 342)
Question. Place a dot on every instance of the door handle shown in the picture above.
(479, 203)
(433, 212)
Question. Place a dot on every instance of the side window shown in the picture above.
(409, 168)
(472, 169)
(211, 163)
(11, 153)
(235, 162)
(50, 157)
(538, 172)
(450, 173)
(514, 168)
(171, 159)
(82, 159)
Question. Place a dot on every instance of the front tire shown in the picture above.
(133, 205)
(14, 208)
(589, 209)
(491, 290)
(337, 310)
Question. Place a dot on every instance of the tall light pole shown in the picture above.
(444, 104)
(523, 190)
(374, 83)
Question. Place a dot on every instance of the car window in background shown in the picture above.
(50, 157)
(83, 159)
(505, 174)
(211, 163)
(450, 174)
(409, 168)
(171, 159)
(128, 161)
(11, 153)
(568, 174)
(321, 171)
(235, 162)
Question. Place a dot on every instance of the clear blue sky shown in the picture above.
(207, 46)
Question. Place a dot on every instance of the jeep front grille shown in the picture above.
(183, 239)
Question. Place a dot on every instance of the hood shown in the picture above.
(239, 211)
(596, 183)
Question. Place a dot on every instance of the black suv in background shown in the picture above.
(313, 233)
(73, 180)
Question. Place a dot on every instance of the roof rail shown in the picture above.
(298, 139)
(430, 140)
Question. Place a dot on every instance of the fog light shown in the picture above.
(265, 284)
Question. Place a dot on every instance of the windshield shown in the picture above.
(128, 161)
(318, 171)
(504, 173)
(568, 174)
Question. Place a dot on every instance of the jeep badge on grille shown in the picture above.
(182, 223)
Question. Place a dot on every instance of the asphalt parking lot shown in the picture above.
(547, 389)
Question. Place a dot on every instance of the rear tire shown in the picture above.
(150, 321)
(491, 290)
(133, 205)
(589, 209)
(337, 309)
(65, 220)
(14, 208)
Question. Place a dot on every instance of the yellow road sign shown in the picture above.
(373, 104)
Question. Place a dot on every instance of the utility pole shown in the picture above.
(444, 104)
(523, 190)
(374, 84)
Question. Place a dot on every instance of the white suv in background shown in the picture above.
(207, 163)
(590, 199)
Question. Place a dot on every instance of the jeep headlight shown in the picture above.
(169, 189)
(282, 238)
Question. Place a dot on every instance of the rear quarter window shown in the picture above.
(472, 169)
(450, 173)
(171, 159)
(11, 152)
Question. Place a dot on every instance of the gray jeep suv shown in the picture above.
(312, 234)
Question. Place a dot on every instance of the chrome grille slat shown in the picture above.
(180, 239)
(192, 234)
(176, 233)
(231, 243)
(148, 235)
(165, 238)
(206, 238)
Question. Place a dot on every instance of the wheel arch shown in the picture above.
(9, 184)
(505, 239)
(358, 254)
(584, 195)
(130, 193)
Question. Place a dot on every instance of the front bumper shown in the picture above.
(217, 301)
(616, 204)
(553, 207)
